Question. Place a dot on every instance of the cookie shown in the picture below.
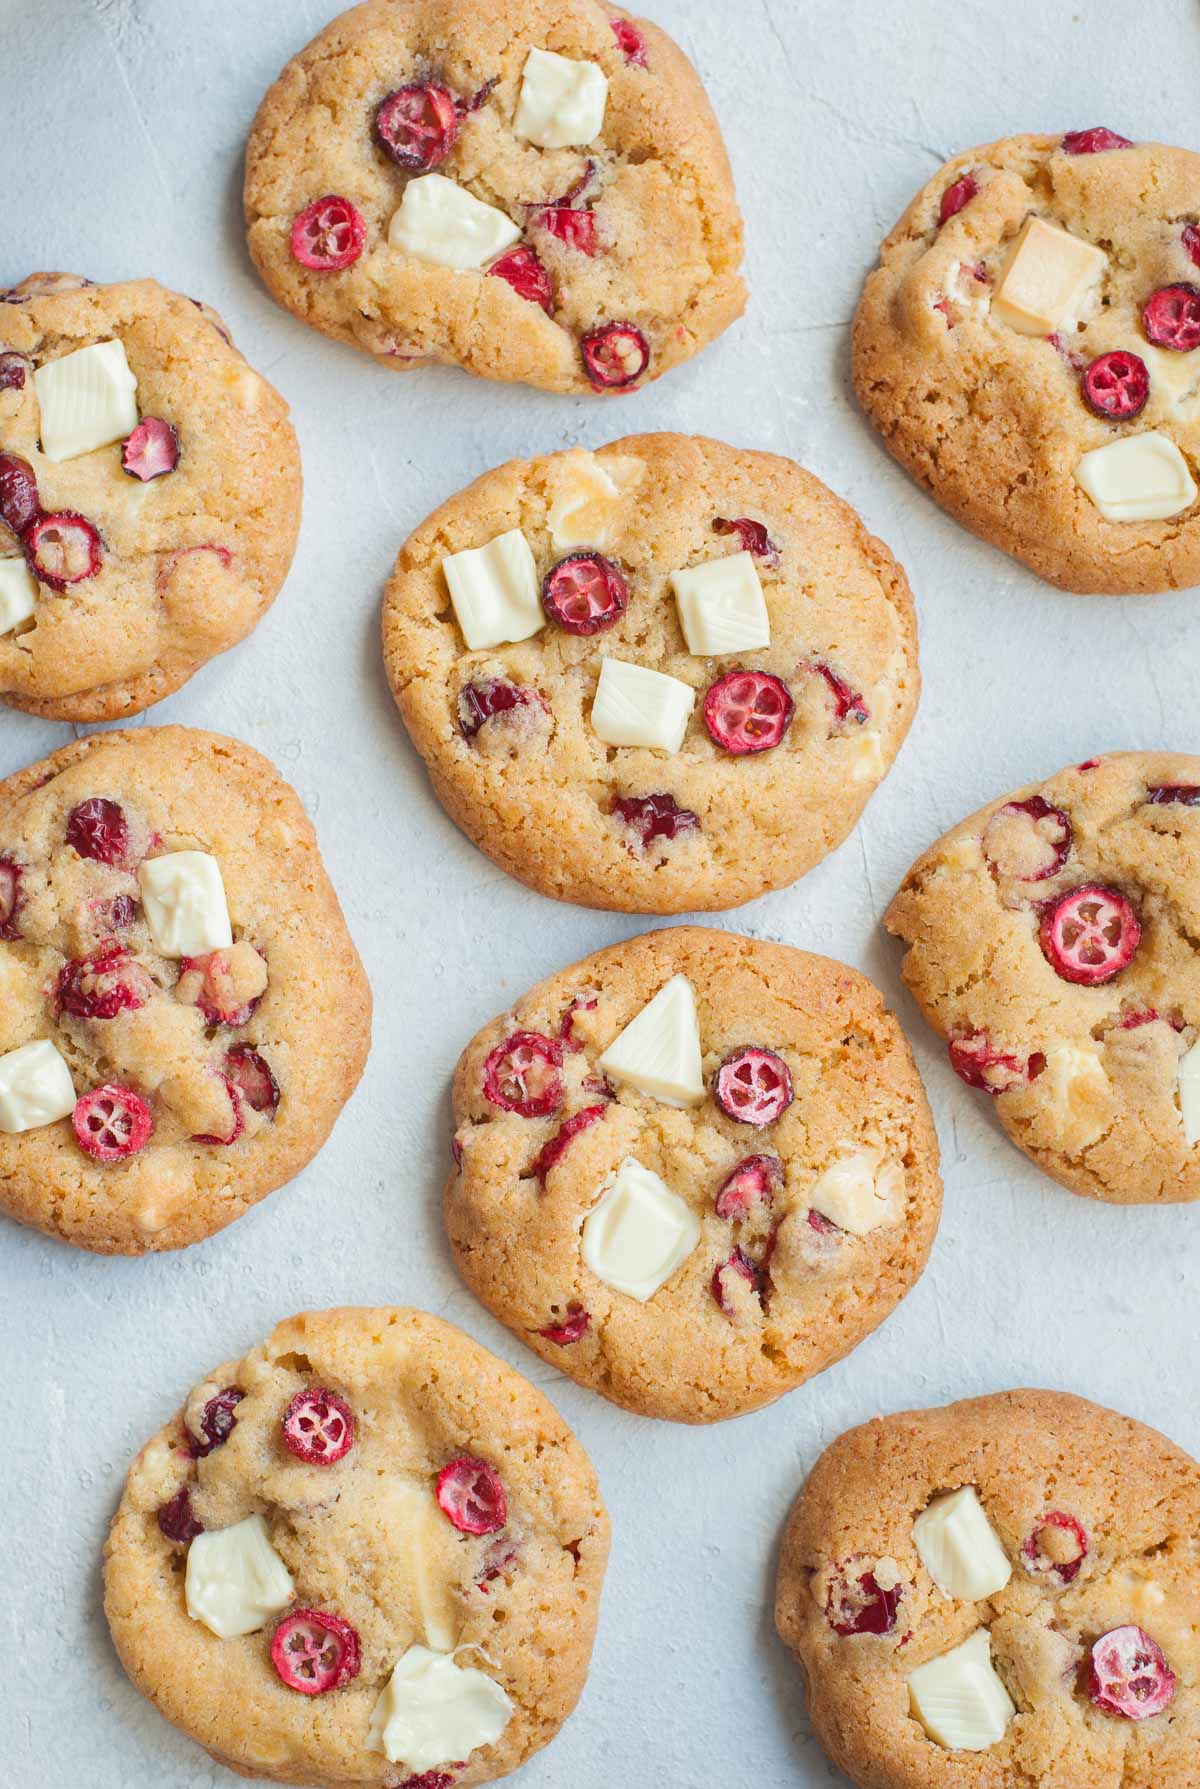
(1051, 941)
(692, 1170)
(534, 190)
(149, 495)
(367, 1554)
(663, 677)
(182, 1011)
(996, 1593)
(1028, 349)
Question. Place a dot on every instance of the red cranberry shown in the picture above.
(251, 1074)
(822, 1225)
(1094, 141)
(318, 1427)
(524, 1075)
(10, 898)
(566, 1035)
(739, 1266)
(974, 1061)
(615, 356)
(1028, 840)
(653, 817)
(13, 368)
(572, 1327)
(1167, 794)
(552, 1152)
(1041, 1564)
(1090, 934)
(754, 1086)
(1077, 362)
(575, 191)
(214, 1002)
(329, 234)
(217, 1421)
(748, 711)
(177, 1521)
(956, 197)
(523, 271)
(752, 1183)
(428, 1779)
(97, 828)
(753, 536)
(856, 1605)
(237, 1118)
(112, 1123)
(62, 548)
(19, 504)
(584, 593)
(1129, 1675)
(1191, 242)
(478, 702)
(480, 97)
(630, 40)
(417, 125)
(1171, 318)
(151, 450)
(116, 915)
(576, 228)
(471, 1495)
(847, 706)
(102, 985)
(1117, 386)
(313, 1651)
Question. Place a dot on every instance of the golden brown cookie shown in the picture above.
(662, 678)
(1000, 1593)
(693, 1170)
(368, 1554)
(182, 1012)
(1029, 349)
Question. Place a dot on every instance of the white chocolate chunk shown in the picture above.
(659, 1051)
(1173, 376)
(638, 1233)
(430, 1543)
(1047, 279)
(634, 705)
(959, 1699)
(1189, 1094)
(494, 589)
(1140, 478)
(959, 1548)
(865, 752)
(18, 594)
(722, 608)
(440, 221)
(433, 1711)
(590, 495)
(183, 898)
(87, 399)
(35, 1087)
(562, 101)
(236, 1580)
(860, 1192)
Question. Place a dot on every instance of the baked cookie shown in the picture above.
(693, 1170)
(367, 1554)
(1003, 1592)
(182, 1012)
(1051, 940)
(530, 189)
(663, 677)
(149, 495)
(1029, 349)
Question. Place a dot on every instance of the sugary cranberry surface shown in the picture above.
(102, 985)
(631, 42)
(847, 704)
(177, 1521)
(1056, 1549)
(653, 817)
(523, 271)
(754, 1086)
(217, 1421)
(470, 1495)
(237, 1119)
(1090, 934)
(10, 898)
(552, 1153)
(993, 1071)
(1191, 241)
(753, 536)
(63, 548)
(584, 593)
(97, 828)
(329, 234)
(748, 711)
(572, 1327)
(478, 702)
(1094, 141)
(151, 450)
(1171, 318)
(19, 504)
(1028, 840)
(751, 1184)
(112, 1123)
(1129, 1675)
(576, 228)
(251, 1074)
(416, 126)
(615, 356)
(313, 1651)
(960, 193)
(524, 1075)
(1186, 795)
(1117, 386)
(13, 369)
(318, 1427)
(855, 1604)
(727, 1275)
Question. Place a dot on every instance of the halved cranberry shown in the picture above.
(960, 193)
(217, 1421)
(1056, 1549)
(214, 998)
(1191, 241)
(1185, 795)
(753, 536)
(102, 985)
(470, 1495)
(1117, 386)
(97, 828)
(10, 898)
(739, 1266)
(19, 503)
(251, 1074)
(1090, 934)
(237, 1118)
(573, 1325)
(1094, 141)
(313, 1651)
(112, 1123)
(566, 1030)
(653, 817)
(847, 705)
(631, 42)
(1028, 840)
(1171, 318)
(116, 915)
(62, 548)
(318, 1427)
(585, 593)
(822, 1225)
(855, 1604)
(13, 369)
(176, 1520)
(553, 1151)
(151, 450)
(748, 711)
(478, 702)
(524, 1075)
(974, 1061)
(754, 1086)
(329, 234)
(523, 271)
(417, 125)
(574, 227)
(615, 356)
(1129, 1674)
(752, 1183)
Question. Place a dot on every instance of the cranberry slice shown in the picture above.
(112, 1123)
(102, 985)
(553, 1151)
(630, 41)
(62, 548)
(250, 1073)
(151, 450)
(855, 1604)
(1094, 141)
(566, 1029)
(1171, 318)
(573, 1326)
(739, 1266)
(19, 503)
(1090, 934)
(13, 368)
(1191, 241)
(752, 1183)
(753, 536)
(585, 593)
(318, 1427)
(480, 97)
(1117, 386)
(1056, 1549)
(313, 1651)
(522, 270)
(956, 196)
(1029, 841)
(748, 711)
(176, 1520)
(97, 829)
(10, 898)
(975, 1061)
(1185, 795)
(1129, 1674)
(524, 1075)
(217, 1422)
(428, 1779)
(329, 234)
(822, 1225)
(652, 817)
(577, 229)
(416, 125)
(478, 702)
(471, 1496)
(614, 356)
(847, 705)
(754, 1086)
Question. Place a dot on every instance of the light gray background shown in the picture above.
(124, 122)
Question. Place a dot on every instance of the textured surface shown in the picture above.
(832, 127)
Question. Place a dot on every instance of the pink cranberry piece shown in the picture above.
(576, 228)
(566, 1030)
(1191, 241)
(1094, 141)
(480, 97)
(112, 1123)
(553, 1152)
(956, 197)
(726, 1274)
(1028, 840)
(615, 356)
(329, 234)
(217, 1421)
(237, 1118)
(151, 450)
(748, 711)
(102, 985)
(524, 1075)
(1090, 934)
(847, 706)
(177, 1521)
(428, 1779)
(499, 1558)
(251, 1074)
(653, 817)
(470, 1495)
(1117, 386)
(754, 1086)
(313, 1651)
(318, 1427)
(752, 1183)
(629, 39)
(1166, 794)
(585, 593)
(417, 125)
(753, 536)
(822, 1225)
(215, 1001)
(1171, 318)
(856, 1605)
(19, 503)
(97, 828)
(1077, 362)
(116, 915)
(478, 702)
(1056, 1549)
(572, 1327)
(1129, 1674)
(10, 898)
(13, 368)
(523, 271)
(62, 548)
(974, 1061)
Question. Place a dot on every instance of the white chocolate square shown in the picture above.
(1189, 1094)
(18, 594)
(959, 1548)
(494, 589)
(638, 1233)
(236, 1580)
(35, 1087)
(634, 705)
(183, 898)
(88, 399)
(442, 222)
(959, 1699)
(1048, 276)
(860, 1191)
(722, 608)
(562, 101)
(659, 1051)
(435, 1711)
(1140, 478)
